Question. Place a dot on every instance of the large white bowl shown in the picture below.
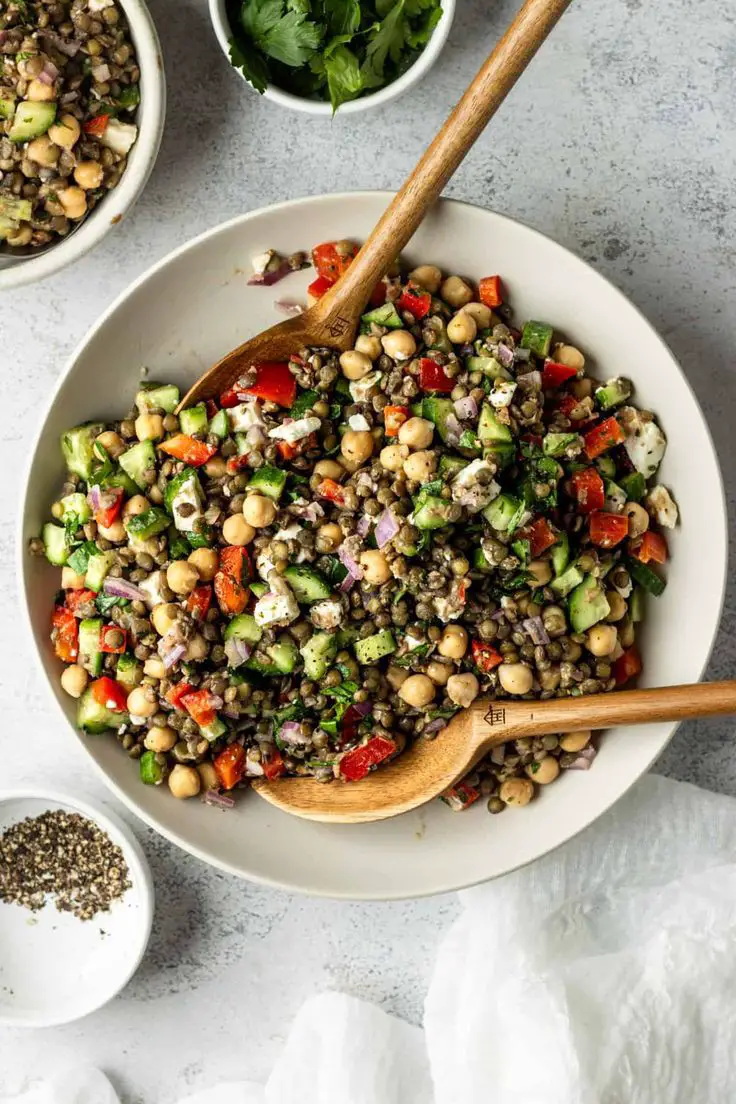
(110, 211)
(194, 306)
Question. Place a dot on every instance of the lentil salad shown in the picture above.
(345, 551)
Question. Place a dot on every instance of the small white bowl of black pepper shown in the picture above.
(76, 907)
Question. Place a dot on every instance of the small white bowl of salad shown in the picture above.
(360, 56)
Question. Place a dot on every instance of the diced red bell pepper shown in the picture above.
(107, 514)
(273, 765)
(554, 374)
(485, 657)
(176, 693)
(199, 704)
(212, 408)
(199, 601)
(230, 765)
(231, 580)
(540, 535)
(349, 726)
(490, 291)
(233, 395)
(356, 764)
(319, 287)
(608, 530)
(332, 491)
(378, 295)
(274, 382)
(65, 634)
(568, 404)
(96, 126)
(415, 300)
(110, 694)
(588, 490)
(287, 451)
(460, 796)
(393, 419)
(627, 665)
(79, 597)
(651, 546)
(189, 449)
(113, 639)
(237, 464)
(603, 437)
(331, 261)
(432, 376)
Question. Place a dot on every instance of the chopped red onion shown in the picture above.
(364, 525)
(220, 801)
(237, 652)
(364, 708)
(435, 725)
(273, 277)
(69, 97)
(121, 588)
(101, 73)
(291, 732)
(348, 582)
(504, 355)
(216, 701)
(94, 497)
(211, 514)
(288, 306)
(172, 655)
(309, 511)
(386, 528)
(453, 429)
(466, 408)
(498, 755)
(535, 627)
(584, 760)
(530, 381)
(45, 77)
(351, 564)
(67, 46)
(498, 615)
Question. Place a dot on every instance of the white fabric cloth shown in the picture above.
(605, 973)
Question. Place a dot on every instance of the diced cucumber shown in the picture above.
(495, 437)
(119, 478)
(75, 506)
(282, 658)
(318, 654)
(259, 589)
(95, 718)
(55, 543)
(346, 636)
(615, 497)
(32, 118)
(436, 329)
(219, 424)
(372, 648)
(480, 563)
(606, 466)
(194, 420)
(557, 444)
(450, 466)
(588, 604)
(98, 566)
(567, 581)
(469, 442)
(243, 627)
(560, 554)
(185, 489)
(489, 366)
(646, 577)
(148, 524)
(537, 337)
(522, 550)
(90, 655)
(157, 396)
(7, 104)
(14, 211)
(437, 411)
(614, 393)
(150, 770)
(636, 604)
(500, 513)
(138, 462)
(634, 485)
(269, 481)
(433, 513)
(308, 585)
(386, 315)
(213, 731)
(76, 448)
(128, 671)
(304, 401)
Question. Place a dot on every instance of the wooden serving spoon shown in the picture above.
(428, 767)
(333, 321)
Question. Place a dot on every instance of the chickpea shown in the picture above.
(164, 617)
(208, 776)
(417, 691)
(399, 345)
(357, 445)
(138, 504)
(480, 313)
(392, 457)
(88, 175)
(184, 781)
(420, 466)
(258, 511)
(138, 704)
(515, 678)
(115, 532)
(355, 365)
(439, 672)
(626, 633)
(74, 680)
(617, 606)
(638, 519)
(329, 469)
(545, 772)
(197, 649)
(70, 580)
(182, 577)
(575, 741)
(601, 640)
(40, 92)
(206, 561)
(541, 571)
(154, 668)
(463, 689)
(569, 356)
(582, 388)
(74, 202)
(160, 739)
(396, 676)
(112, 443)
(453, 642)
(149, 427)
(21, 236)
(216, 467)
(516, 791)
(65, 131)
(428, 277)
(462, 328)
(417, 433)
(369, 345)
(456, 292)
(237, 531)
(329, 537)
(43, 151)
(375, 568)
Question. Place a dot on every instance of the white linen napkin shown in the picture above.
(604, 973)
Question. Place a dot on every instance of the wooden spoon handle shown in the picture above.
(479, 103)
(496, 722)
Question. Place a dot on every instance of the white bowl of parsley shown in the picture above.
(323, 55)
